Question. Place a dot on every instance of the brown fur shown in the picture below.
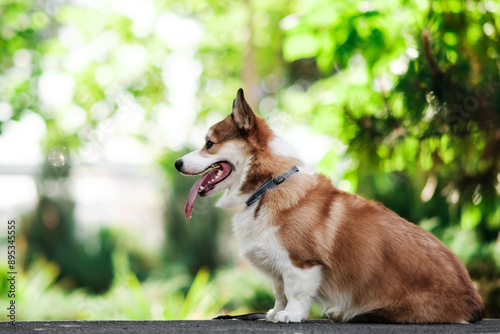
(387, 265)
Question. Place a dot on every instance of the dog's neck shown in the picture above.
(270, 184)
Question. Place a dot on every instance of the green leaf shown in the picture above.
(303, 45)
(471, 217)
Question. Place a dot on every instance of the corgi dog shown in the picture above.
(357, 258)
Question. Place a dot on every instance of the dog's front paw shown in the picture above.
(271, 314)
(285, 316)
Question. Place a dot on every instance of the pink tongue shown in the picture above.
(193, 193)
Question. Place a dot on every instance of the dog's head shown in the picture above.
(240, 152)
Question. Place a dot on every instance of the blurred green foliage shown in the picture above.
(51, 232)
(238, 290)
(408, 90)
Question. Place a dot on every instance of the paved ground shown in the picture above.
(238, 326)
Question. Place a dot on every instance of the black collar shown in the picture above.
(270, 184)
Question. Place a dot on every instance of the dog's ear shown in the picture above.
(243, 116)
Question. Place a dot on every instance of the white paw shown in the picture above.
(270, 315)
(285, 316)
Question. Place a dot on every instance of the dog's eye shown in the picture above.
(209, 144)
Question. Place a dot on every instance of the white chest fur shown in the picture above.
(259, 243)
(294, 288)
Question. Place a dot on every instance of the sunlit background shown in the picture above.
(396, 100)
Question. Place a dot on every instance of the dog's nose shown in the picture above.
(178, 164)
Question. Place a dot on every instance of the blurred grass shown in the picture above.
(230, 291)
(41, 297)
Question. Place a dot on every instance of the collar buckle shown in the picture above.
(270, 184)
(279, 179)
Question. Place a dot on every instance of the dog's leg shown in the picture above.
(279, 295)
(300, 286)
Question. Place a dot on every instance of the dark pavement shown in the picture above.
(238, 326)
